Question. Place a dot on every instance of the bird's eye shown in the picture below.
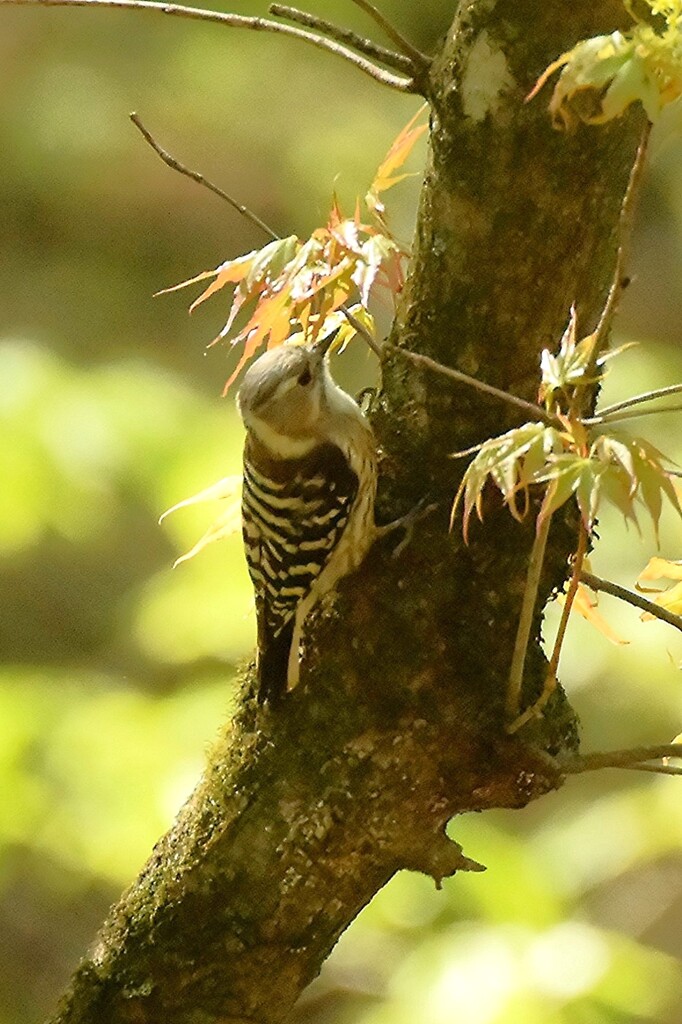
(305, 377)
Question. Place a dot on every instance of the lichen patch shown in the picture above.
(486, 77)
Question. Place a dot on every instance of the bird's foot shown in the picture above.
(407, 523)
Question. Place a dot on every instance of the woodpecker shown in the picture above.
(310, 478)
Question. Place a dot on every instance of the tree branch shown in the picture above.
(628, 403)
(625, 223)
(305, 811)
(398, 61)
(360, 328)
(635, 758)
(597, 583)
(630, 414)
(175, 165)
(526, 618)
(403, 44)
(530, 408)
(238, 21)
(655, 769)
(200, 179)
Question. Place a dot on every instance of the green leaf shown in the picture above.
(564, 372)
(610, 449)
(562, 479)
(502, 459)
(636, 471)
(588, 493)
(271, 261)
(616, 487)
(650, 487)
(539, 454)
(601, 77)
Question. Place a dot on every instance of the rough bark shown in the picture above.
(305, 812)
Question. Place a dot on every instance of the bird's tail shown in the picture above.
(273, 664)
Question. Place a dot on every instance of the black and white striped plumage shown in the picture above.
(308, 497)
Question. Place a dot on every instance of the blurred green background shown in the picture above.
(117, 670)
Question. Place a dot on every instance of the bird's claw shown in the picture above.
(421, 510)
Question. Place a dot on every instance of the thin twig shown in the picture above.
(530, 594)
(633, 757)
(516, 721)
(361, 330)
(629, 414)
(398, 61)
(553, 667)
(462, 454)
(657, 769)
(200, 179)
(624, 237)
(607, 587)
(646, 396)
(403, 44)
(568, 603)
(175, 165)
(536, 411)
(239, 21)
(627, 403)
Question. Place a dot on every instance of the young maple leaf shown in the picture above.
(386, 178)
(584, 604)
(512, 461)
(227, 523)
(601, 77)
(657, 569)
(293, 289)
(634, 471)
(568, 369)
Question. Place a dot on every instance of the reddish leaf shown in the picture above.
(401, 148)
(584, 605)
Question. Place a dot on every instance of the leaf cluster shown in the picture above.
(602, 76)
(569, 458)
(578, 364)
(291, 285)
(297, 290)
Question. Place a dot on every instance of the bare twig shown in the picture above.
(628, 403)
(597, 583)
(656, 769)
(646, 396)
(200, 179)
(462, 454)
(633, 758)
(622, 256)
(361, 330)
(629, 414)
(536, 411)
(553, 667)
(175, 165)
(398, 61)
(568, 603)
(403, 44)
(530, 594)
(239, 21)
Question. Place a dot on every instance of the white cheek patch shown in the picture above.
(284, 388)
(280, 444)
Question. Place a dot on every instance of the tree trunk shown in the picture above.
(305, 811)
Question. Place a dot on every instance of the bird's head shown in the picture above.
(284, 392)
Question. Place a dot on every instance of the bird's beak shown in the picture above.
(322, 345)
